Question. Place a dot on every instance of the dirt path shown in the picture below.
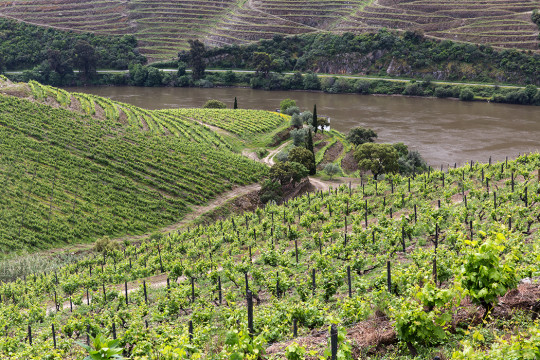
(195, 212)
(269, 159)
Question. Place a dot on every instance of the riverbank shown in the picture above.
(444, 131)
(147, 76)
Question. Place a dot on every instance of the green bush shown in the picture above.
(483, 272)
(466, 94)
(285, 104)
(214, 104)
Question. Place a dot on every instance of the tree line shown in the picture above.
(52, 54)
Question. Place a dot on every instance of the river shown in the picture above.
(444, 131)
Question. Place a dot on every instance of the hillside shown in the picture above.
(75, 167)
(317, 260)
(163, 27)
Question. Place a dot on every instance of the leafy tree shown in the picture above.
(85, 58)
(263, 63)
(214, 104)
(306, 117)
(296, 121)
(331, 170)
(181, 69)
(292, 110)
(296, 81)
(197, 53)
(288, 172)
(302, 156)
(285, 104)
(138, 74)
(377, 158)
(229, 77)
(361, 135)
(154, 77)
(282, 156)
(401, 149)
(271, 191)
(298, 136)
(59, 62)
(412, 162)
(312, 82)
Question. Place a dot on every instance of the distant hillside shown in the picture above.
(163, 27)
(74, 167)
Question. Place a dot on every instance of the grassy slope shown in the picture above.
(69, 177)
(164, 27)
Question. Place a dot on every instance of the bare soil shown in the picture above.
(331, 154)
(348, 163)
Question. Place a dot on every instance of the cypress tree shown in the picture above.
(235, 103)
(309, 146)
(314, 123)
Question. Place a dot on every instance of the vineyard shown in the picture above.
(427, 264)
(243, 123)
(75, 167)
(163, 28)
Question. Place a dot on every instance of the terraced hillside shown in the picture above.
(74, 167)
(163, 27)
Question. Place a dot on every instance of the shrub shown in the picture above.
(466, 94)
(298, 136)
(413, 89)
(302, 156)
(214, 104)
(282, 156)
(331, 170)
(442, 92)
(296, 121)
(292, 110)
(483, 273)
(105, 245)
(286, 103)
(271, 191)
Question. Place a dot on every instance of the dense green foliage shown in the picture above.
(377, 158)
(360, 135)
(25, 46)
(423, 311)
(68, 177)
(373, 53)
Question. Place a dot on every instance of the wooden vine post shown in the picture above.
(250, 313)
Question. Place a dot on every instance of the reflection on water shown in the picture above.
(444, 131)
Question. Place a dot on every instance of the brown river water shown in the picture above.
(444, 131)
